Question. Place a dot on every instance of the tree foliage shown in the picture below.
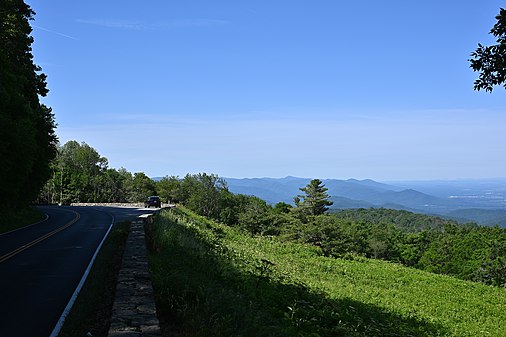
(141, 186)
(27, 137)
(204, 193)
(490, 61)
(168, 188)
(81, 166)
(405, 221)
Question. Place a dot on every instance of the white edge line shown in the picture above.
(33, 224)
(72, 300)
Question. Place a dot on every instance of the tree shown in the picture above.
(255, 218)
(282, 207)
(141, 187)
(315, 198)
(206, 193)
(111, 186)
(490, 61)
(80, 167)
(27, 136)
(168, 188)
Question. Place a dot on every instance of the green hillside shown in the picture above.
(212, 280)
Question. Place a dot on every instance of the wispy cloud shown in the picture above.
(128, 25)
(140, 25)
(197, 23)
(54, 32)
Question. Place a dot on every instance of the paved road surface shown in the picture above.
(41, 265)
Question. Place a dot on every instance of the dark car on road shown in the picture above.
(153, 201)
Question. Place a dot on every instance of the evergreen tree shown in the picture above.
(315, 198)
(27, 137)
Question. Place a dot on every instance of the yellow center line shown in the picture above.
(40, 239)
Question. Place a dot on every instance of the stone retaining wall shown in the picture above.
(132, 205)
(134, 312)
(116, 204)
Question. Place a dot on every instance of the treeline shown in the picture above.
(80, 174)
(27, 136)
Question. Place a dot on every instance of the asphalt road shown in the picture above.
(41, 265)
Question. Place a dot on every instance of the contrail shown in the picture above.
(52, 31)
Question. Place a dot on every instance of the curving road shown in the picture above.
(41, 265)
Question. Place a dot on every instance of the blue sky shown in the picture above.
(327, 89)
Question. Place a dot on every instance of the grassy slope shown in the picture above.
(210, 277)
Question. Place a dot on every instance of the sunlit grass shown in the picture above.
(464, 308)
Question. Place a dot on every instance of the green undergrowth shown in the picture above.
(211, 280)
(91, 313)
(14, 218)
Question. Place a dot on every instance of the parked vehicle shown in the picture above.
(153, 201)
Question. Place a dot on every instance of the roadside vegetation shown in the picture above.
(214, 280)
(11, 219)
(92, 310)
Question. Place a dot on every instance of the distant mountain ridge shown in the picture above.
(353, 193)
(344, 192)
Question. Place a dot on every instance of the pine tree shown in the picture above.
(315, 199)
